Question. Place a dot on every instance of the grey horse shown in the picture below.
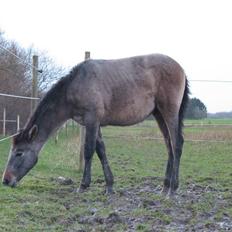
(98, 93)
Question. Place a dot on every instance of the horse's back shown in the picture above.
(132, 68)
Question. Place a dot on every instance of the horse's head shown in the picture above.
(23, 156)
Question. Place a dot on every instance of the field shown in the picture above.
(44, 201)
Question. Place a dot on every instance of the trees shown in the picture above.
(196, 109)
(16, 79)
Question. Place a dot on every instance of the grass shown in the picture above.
(41, 203)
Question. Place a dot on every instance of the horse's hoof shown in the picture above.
(164, 191)
(109, 190)
(81, 189)
(171, 194)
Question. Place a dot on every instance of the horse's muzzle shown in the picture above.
(9, 179)
(5, 181)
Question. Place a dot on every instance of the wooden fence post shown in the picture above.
(82, 134)
(66, 128)
(57, 137)
(18, 123)
(34, 93)
(4, 122)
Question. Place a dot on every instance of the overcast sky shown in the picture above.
(196, 33)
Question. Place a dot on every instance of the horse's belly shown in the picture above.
(129, 111)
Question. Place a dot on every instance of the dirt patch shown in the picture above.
(143, 208)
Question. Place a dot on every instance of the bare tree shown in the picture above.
(16, 78)
(51, 72)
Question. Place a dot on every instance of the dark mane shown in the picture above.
(81, 69)
(50, 99)
(74, 71)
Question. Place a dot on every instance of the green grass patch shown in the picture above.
(40, 203)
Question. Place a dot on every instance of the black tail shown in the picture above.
(184, 104)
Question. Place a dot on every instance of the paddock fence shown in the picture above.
(11, 122)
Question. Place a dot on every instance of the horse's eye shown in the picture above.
(19, 154)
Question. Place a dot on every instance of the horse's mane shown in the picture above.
(51, 98)
(48, 101)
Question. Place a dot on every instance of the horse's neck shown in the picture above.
(49, 120)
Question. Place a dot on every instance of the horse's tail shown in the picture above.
(184, 104)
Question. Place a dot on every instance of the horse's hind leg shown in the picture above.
(100, 149)
(176, 138)
(173, 136)
(164, 130)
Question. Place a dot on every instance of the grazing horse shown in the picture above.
(98, 93)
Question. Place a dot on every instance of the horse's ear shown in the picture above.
(33, 132)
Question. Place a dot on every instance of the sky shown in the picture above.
(196, 33)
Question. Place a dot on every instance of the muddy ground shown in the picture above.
(142, 208)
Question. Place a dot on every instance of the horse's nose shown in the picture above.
(5, 181)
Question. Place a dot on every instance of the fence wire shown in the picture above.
(141, 138)
(8, 137)
(17, 96)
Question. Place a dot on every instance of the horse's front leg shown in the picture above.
(90, 146)
(100, 149)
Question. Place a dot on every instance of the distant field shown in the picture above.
(203, 203)
(206, 121)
